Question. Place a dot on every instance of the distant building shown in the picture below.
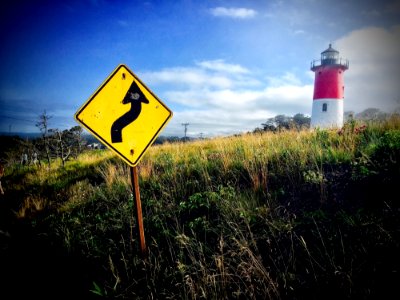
(94, 146)
(327, 108)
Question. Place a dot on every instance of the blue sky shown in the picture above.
(222, 66)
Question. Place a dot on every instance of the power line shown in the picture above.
(186, 125)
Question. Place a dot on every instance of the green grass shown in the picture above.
(292, 215)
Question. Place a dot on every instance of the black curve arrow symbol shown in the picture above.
(135, 97)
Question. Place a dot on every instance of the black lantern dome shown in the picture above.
(330, 57)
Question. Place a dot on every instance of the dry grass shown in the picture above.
(30, 206)
(115, 174)
(224, 218)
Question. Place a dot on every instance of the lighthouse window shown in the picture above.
(325, 107)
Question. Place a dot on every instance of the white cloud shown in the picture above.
(233, 111)
(373, 76)
(227, 99)
(220, 65)
(236, 13)
(214, 74)
(290, 96)
(287, 78)
(230, 105)
(193, 77)
(215, 122)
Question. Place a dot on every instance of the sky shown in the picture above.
(223, 66)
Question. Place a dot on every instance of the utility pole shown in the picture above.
(186, 125)
(201, 135)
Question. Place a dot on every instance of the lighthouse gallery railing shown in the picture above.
(334, 61)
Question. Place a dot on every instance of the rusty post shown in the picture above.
(138, 207)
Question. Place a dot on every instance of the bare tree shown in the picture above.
(78, 140)
(63, 145)
(43, 125)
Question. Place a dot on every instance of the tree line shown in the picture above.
(52, 144)
(280, 122)
(301, 121)
(65, 144)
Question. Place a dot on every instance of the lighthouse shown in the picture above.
(327, 108)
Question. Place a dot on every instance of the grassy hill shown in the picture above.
(289, 215)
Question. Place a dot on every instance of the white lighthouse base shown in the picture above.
(327, 113)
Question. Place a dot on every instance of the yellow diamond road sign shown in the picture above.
(125, 115)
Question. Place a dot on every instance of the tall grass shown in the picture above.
(275, 215)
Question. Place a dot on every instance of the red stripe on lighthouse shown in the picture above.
(328, 83)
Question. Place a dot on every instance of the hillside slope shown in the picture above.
(291, 215)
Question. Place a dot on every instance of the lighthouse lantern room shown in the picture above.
(327, 108)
